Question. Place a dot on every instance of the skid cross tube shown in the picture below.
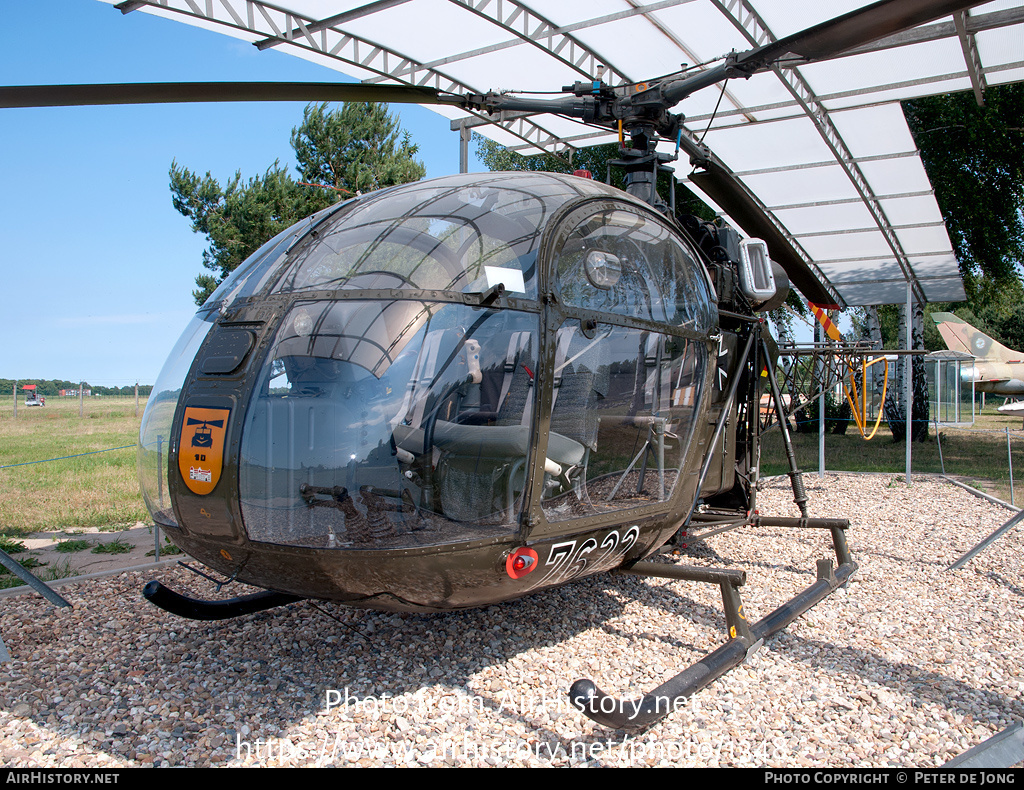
(727, 579)
(637, 715)
(702, 528)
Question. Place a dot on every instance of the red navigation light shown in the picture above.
(520, 562)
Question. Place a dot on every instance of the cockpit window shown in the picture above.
(622, 262)
(626, 399)
(453, 235)
(155, 430)
(258, 269)
(388, 424)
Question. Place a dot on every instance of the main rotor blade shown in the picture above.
(826, 40)
(873, 22)
(177, 92)
(726, 190)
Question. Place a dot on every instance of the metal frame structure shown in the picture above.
(527, 39)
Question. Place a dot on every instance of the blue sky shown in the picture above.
(97, 266)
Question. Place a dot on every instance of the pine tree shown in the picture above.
(358, 148)
(238, 217)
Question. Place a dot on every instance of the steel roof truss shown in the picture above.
(971, 57)
(274, 25)
(530, 27)
(324, 39)
(752, 26)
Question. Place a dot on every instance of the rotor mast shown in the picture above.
(639, 112)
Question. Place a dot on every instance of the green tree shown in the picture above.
(974, 157)
(356, 149)
(359, 147)
(238, 217)
(995, 309)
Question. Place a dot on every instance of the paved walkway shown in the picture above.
(138, 544)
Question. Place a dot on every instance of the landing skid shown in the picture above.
(744, 639)
(196, 609)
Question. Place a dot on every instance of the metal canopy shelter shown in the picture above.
(824, 148)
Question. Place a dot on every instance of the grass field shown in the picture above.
(101, 489)
(96, 490)
(977, 453)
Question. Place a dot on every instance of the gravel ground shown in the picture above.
(910, 666)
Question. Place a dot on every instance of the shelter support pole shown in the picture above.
(465, 135)
(909, 379)
(1009, 458)
(1003, 750)
(984, 544)
(819, 336)
(32, 581)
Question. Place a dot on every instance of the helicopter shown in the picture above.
(462, 391)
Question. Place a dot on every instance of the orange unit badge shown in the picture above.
(201, 451)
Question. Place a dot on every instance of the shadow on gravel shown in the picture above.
(925, 686)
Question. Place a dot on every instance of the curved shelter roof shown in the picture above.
(824, 148)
